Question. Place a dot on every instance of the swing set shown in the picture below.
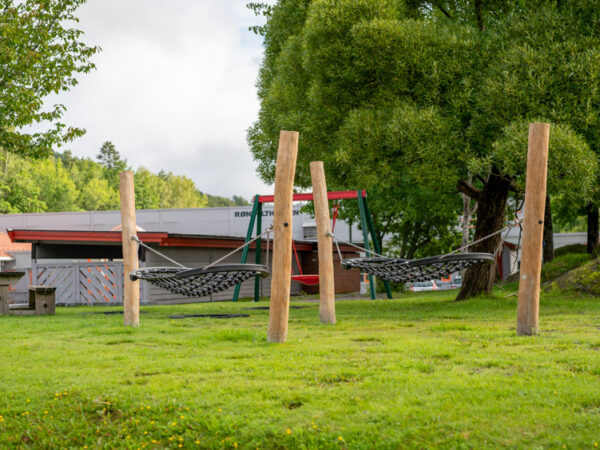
(368, 231)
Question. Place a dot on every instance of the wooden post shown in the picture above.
(282, 239)
(325, 244)
(131, 289)
(533, 230)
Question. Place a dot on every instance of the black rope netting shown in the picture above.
(404, 270)
(199, 282)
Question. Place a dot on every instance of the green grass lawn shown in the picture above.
(418, 371)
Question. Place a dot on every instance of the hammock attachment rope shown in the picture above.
(401, 270)
(201, 281)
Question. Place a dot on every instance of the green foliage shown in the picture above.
(405, 99)
(572, 166)
(39, 55)
(584, 279)
(562, 264)
(97, 195)
(419, 371)
(217, 201)
(573, 248)
(63, 182)
(56, 188)
(18, 190)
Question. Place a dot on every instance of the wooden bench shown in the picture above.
(42, 299)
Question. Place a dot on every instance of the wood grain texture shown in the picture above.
(533, 230)
(325, 244)
(131, 289)
(285, 170)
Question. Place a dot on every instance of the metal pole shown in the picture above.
(364, 227)
(257, 278)
(376, 245)
(236, 291)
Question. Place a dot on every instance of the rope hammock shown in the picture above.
(401, 270)
(198, 282)
(201, 281)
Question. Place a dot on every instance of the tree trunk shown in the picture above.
(548, 245)
(593, 229)
(468, 212)
(479, 279)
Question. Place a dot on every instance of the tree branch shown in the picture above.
(515, 188)
(469, 190)
(443, 10)
(479, 14)
(480, 178)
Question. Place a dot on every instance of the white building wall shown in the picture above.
(230, 221)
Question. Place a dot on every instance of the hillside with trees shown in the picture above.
(64, 182)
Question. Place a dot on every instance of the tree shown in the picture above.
(414, 101)
(110, 158)
(18, 191)
(149, 189)
(180, 192)
(97, 195)
(56, 188)
(39, 55)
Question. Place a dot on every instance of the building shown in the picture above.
(78, 252)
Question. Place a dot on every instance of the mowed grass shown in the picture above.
(420, 371)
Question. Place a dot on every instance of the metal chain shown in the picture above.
(268, 244)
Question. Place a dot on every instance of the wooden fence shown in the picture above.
(82, 283)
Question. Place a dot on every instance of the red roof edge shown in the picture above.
(71, 236)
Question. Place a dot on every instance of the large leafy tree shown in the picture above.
(40, 54)
(418, 100)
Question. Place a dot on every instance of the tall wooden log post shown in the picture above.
(533, 230)
(131, 289)
(285, 170)
(325, 244)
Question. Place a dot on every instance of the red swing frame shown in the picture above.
(312, 279)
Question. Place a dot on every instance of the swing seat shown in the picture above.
(405, 270)
(201, 281)
(308, 280)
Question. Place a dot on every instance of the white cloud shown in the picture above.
(174, 89)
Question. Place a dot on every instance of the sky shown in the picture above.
(174, 89)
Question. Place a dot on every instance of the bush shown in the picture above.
(562, 264)
(573, 248)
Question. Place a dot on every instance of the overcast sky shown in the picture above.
(174, 89)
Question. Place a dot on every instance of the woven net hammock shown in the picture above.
(404, 270)
(199, 282)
